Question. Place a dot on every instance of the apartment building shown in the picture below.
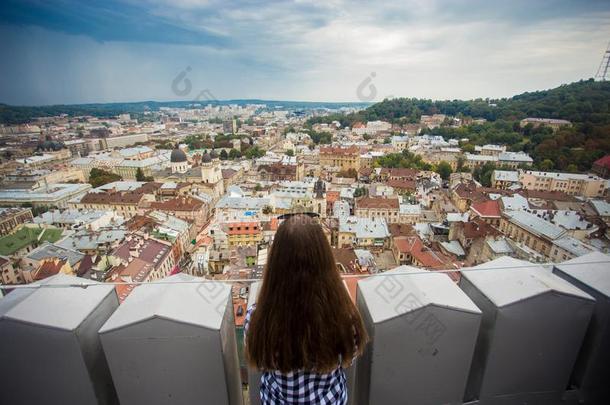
(585, 185)
(490, 150)
(243, 233)
(601, 167)
(189, 209)
(9, 274)
(555, 124)
(378, 207)
(531, 230)
(363, 232)
(124, 198)
(11, 218)
(340, 157)
(504, 179)
(139, 259)
(281, 172)
(53, 195)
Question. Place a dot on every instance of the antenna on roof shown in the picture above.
(604, 66)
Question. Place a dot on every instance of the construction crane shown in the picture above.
(604, 66)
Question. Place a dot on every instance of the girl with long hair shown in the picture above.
(304, 328)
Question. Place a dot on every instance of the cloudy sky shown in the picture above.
(66, 51)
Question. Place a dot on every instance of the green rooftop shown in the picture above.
(26, 236)
(163, 236)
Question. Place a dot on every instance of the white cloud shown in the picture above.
(309, 50)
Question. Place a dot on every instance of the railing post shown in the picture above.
(591, 273)
(174, 342)
(533, 326)
(254, 375)
(49, 348)
(423, 330)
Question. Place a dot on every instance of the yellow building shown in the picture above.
(339, 157)
(530, 230)
(585, 185)
(244, 233)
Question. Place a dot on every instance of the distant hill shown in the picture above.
(583, 101)
(22, 114)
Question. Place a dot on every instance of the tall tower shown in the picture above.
(603, 71)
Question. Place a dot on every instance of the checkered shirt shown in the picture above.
(301, 387)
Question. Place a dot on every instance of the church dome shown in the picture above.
(206, 158)
(177, 156)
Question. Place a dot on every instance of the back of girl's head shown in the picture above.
(304, 318)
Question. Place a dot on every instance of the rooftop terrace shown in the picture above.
(511, 332)
(26, 236)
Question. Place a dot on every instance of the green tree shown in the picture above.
(359, 192)
(140, 175)
(469, 148)
(290, 152)
(546, 165)
(99, 177)
(572, 168)
(234, 154)
(224, 155)
(254, 152)
(320, 137)
(461, 160)
(483, 173)
(444, 169)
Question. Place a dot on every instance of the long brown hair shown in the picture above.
(304, 318)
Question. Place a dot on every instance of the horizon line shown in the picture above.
(204, 102)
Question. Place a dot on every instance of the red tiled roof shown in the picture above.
(422, 254)
(548, 195)
(178, 204)
(137, 271)
(49, 268)
(407, 244)
(373, 202)
(469, 191)
(487, 209)
(401, 230)
(150, 251)
(478, 228)
(402, 184)
(352, 287)
(334, 150)
(239, 315)
(603, 162)
(138, 222)
(112, 197)
(228, 173)
(346, 257)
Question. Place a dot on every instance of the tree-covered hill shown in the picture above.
(586, 104)
(583, 101)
